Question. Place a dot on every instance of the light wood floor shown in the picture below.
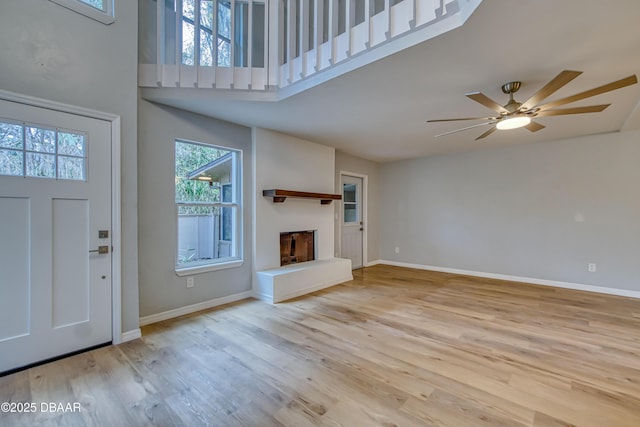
(393, 347)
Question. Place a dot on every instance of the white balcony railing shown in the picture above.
(269, 45)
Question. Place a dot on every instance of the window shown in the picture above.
(214, 41)
(30, 150)
(208, 206)
(205, 37)
(349, 203)
(98, 4)
(100, 10)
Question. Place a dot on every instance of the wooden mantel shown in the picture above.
(280, 196)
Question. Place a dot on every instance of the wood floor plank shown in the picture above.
(393, 347)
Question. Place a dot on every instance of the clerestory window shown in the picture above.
(100, 10)
(211, 39)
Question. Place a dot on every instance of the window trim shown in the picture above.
(106, 16)
(238, 227)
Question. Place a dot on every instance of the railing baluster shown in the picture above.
(232, 47)
(214, 40)
(333, 28)
(318, 32)
(178, 40)
(291, 34)
(277, 22)
(249, 44)
(196, 39)
(160, 41)
(304, 35)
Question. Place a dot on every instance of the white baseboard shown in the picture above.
(170, 314)
(372, 263)
(130, 335)
(566, 285)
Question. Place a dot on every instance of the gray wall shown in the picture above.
(348, 163)
(54, 53)
(541, 211)
(160, 289)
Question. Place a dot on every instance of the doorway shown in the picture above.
(56, 233)
(353, 224)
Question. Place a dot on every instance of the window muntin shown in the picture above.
(208, 209)
(31, 150)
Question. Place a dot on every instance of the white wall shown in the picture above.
(290, 163)
(542, 211)
(348, 163)
(160, 288)
(54, 53)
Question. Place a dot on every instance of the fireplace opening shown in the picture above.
(297, 246)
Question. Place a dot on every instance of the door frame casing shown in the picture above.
(365, 205)
(116, 215)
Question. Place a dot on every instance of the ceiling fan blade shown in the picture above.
(460, 130)
(558, 81)
(535, 127)
(487, 133)
(460, 118)
(487, 102)
(575, 110)
(627, 81)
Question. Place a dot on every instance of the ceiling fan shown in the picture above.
(515, 115)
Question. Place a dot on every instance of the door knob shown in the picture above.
(101, 250)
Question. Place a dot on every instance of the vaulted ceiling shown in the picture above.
(379, 111)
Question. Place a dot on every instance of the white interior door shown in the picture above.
(352, 224)
(55, 209)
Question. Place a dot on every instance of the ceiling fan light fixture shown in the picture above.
(513, 122)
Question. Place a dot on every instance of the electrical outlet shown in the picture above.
(591, 267)
(397, 249)
(190, 282)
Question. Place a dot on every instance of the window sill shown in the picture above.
(186, 271)
(88, 11)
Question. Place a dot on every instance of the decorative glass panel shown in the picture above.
(71, 168)
(40, 140)
(11, 162)
(71, 144)
(11, 135)
(41, 165)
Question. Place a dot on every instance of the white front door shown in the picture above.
(352, 224)
(55, 212)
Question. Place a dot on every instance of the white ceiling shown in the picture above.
(379, 111)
